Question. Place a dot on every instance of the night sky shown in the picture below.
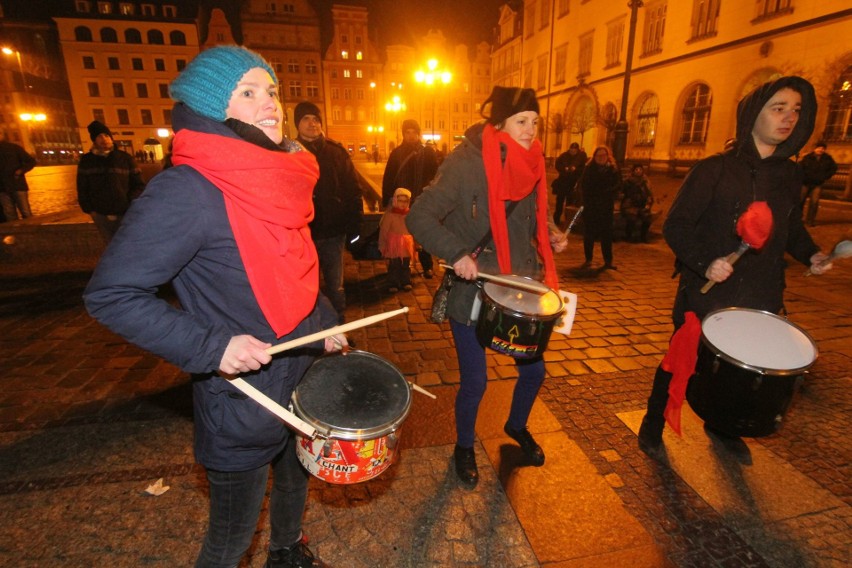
(462, 21)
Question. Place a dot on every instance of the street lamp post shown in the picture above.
(375, 131)
(10, 51)
(30, 119)
(395, 105)
(430, 78)
(619, 145)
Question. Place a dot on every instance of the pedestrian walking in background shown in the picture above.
(15, 162)
(817, 168)
(636, 204)
(108, 179)
(411, 165)
(338, 207)
(773, 123)
(396, 243)
(569, 168)
(228, 226)
(599, 184)
(499, 164)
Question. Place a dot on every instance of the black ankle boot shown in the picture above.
(528, 444)
(465, 459)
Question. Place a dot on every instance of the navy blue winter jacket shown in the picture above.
(178, 231)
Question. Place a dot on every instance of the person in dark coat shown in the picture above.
(337, 201)
(500, 163)
(569, 168)
(636, 204)
(411, 165)
(599, 184)
(228, 226)
(108, 179)
(15, 162)
(773, 123)
(817, 168)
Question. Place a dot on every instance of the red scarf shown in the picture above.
(269, 205)
(400, 210)
(512, 180)
(680, 362)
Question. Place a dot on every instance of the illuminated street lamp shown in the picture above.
(17, 54)
(431, 77)
(395, 106)
(29, 118)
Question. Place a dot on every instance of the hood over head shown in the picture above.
(750, 106)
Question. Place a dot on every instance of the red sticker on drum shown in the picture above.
(345, 462)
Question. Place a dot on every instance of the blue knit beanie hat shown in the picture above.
(206, 84)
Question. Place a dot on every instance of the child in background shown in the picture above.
(396, 243)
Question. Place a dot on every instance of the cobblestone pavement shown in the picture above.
(87, 422)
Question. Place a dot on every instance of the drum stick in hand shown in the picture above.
(288, 417)
(535, 287)
(334, 331)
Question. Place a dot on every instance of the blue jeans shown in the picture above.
(330, 252)
(472, 366)
(236, 498)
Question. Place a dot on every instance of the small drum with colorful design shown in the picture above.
(357, 402)
(517, 322)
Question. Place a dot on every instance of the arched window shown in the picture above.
(132, 35)
(695, 115)
(82, 33)
(838, 125)
(646, 120)
(108, 35)
(155, 37)
(177, 38)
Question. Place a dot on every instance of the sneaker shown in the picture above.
(610, 267)
(406, 287)
(531, 449)
(466, 470)
(651, 440)
(297, 556)
(393, 289)
(427, 274)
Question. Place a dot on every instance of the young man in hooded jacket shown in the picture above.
(773, 123)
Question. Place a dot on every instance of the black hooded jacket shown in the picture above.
(701, 225)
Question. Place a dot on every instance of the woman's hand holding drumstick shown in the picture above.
(528, 286)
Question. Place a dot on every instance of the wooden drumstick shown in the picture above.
(421, 390)
(288, 417)
(335, 330)
(537, 288)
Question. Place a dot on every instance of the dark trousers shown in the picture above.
(330, 253)
(654, 420)
(642, 219)
(236, 498)
(604, 234)
(425, 260)
(474, 379)
(560, 205)
(399, 272)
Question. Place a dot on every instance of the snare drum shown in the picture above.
(357, 402)
(516, 322)
(749, 364)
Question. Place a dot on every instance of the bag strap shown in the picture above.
(485, 239)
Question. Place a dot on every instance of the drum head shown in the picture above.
(522, 301)
(353, 397)
(758, 340)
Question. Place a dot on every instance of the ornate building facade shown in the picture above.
(692, 61)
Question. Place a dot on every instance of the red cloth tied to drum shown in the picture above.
(755, 225)
(680, 361)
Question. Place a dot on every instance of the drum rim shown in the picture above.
(536, 316)
(751, 367)
(327, 431)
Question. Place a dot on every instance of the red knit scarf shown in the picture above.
(521, 174)
(269, 205)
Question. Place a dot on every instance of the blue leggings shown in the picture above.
(471, 356)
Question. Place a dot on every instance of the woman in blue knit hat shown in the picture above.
(228, 227)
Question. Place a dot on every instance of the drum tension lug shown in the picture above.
(326, 449)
